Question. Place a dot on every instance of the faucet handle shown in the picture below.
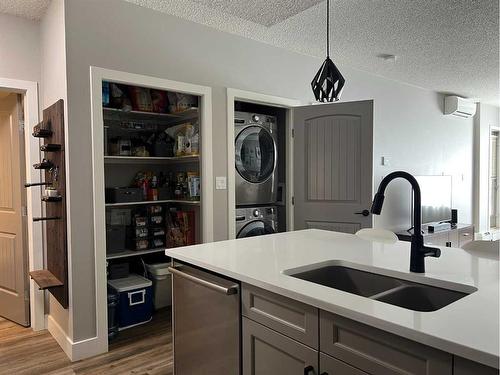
(431, 252)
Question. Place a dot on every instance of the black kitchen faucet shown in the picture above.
(418, 250)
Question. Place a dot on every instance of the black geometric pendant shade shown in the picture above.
(328, 83)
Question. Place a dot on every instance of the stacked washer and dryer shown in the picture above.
(256, 159)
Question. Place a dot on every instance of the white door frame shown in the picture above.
(34, 204)
(491, 130)
(263, 99)
(97, 75)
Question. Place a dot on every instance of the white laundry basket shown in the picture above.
(162, 284)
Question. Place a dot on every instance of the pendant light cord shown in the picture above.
(327, 28)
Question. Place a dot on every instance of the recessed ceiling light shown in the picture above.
(388, 57)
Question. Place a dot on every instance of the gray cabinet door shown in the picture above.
(267, 352)
(292, 318)
(331, 366)
(463, 366)
(378, 352)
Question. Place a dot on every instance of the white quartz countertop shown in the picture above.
(468, 327)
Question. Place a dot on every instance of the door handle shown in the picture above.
(308, 370)
(364, 213)
(218, 288)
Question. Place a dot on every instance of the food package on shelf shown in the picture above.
(141, 98)
(193, 180)
(187, 140)
(159, 99)
(178, 102)
(180, 228)
(118, 97)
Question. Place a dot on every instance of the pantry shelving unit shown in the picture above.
(128, 242)
(112, 169)
(120, 166)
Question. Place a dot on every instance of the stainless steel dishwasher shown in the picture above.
(206, 322)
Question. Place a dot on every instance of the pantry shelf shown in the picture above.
(119, 114)
(180, 201)
(150, 159)
(133, 253)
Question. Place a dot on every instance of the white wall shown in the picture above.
(53, 78)
(486, 117)
(19, 48)
(410, 129)
(409, 125)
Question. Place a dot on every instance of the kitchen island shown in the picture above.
(462, 334)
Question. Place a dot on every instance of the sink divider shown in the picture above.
(388, 291)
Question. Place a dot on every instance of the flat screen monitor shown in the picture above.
(436, 198)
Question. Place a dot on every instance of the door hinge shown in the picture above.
(21, 125)
(293, 133)
(24, 211)
(293, 201)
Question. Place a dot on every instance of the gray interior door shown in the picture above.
(333, 162)
(14, 281)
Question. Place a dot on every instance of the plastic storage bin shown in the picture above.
(135, 301)
(162, 284)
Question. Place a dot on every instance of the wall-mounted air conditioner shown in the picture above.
(460, 107)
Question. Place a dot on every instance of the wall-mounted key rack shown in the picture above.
(54, 277)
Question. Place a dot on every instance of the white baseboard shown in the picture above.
(76, 350)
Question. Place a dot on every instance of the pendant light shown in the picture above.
(328, 83)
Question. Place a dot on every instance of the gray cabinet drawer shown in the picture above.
(378, 352)
(465, 235)
(331, 366)
(292, 318)
(266, 352)
(463, 366)
(436, 239)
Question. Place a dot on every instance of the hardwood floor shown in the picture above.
(141, 350)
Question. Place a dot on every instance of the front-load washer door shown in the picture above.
(255, 228)
(255, 154)
(255, 162)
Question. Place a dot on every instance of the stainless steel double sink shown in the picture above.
(392, 290)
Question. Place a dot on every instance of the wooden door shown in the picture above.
(14, 281)
(267, 352)
(333, 163)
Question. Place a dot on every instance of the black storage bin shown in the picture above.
(123, 195)
(113, 299)
(118, 270)
(116, 236)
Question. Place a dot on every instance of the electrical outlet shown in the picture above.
(220, 183)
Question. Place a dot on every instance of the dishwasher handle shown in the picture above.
(218, 288)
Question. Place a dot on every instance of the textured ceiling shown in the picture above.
(32, 9)
(263, 12)
(447, 46)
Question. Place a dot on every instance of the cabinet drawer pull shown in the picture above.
(466, 234)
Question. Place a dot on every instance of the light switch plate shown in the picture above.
(220, 182)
